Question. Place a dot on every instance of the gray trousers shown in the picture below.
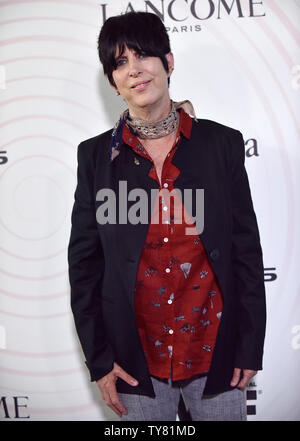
(226, 406)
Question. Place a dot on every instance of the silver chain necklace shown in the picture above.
(153, 130)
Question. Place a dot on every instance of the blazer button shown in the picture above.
(214, 254)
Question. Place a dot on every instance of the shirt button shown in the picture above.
(166, 239)
(166, 185)
(170, 301)
(165, 208)
(168, 270)
(171, 331)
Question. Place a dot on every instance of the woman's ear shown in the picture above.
(170, 60)
(115, 88)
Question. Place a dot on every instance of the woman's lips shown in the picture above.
(141, 86)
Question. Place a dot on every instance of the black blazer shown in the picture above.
(103, 259)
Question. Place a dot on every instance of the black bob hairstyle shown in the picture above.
(142, 32)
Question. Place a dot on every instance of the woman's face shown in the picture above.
(142, 80)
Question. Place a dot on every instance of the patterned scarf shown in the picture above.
(159, 127)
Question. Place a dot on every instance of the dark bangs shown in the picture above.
(142, 32)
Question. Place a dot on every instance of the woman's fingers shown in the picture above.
(107, 386)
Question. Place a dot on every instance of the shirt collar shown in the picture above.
(185, 124)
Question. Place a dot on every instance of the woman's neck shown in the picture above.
(151, 113)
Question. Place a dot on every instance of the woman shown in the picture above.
(160, 310)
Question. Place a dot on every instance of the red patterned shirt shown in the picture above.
(178, 302)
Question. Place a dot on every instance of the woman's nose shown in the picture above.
(134, 66)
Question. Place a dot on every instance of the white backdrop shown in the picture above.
(238, 62)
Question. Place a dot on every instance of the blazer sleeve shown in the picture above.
(86, 268)
(248, 271)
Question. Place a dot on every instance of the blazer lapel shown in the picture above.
(133, 170)
(193, 158)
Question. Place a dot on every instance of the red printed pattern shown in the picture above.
(178, 302)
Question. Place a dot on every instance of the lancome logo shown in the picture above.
(180, 11)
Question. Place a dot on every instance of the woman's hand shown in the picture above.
(107, 386)
(239, 382)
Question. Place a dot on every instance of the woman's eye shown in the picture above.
(120, 62)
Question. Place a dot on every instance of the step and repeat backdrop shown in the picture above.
(238, 61)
